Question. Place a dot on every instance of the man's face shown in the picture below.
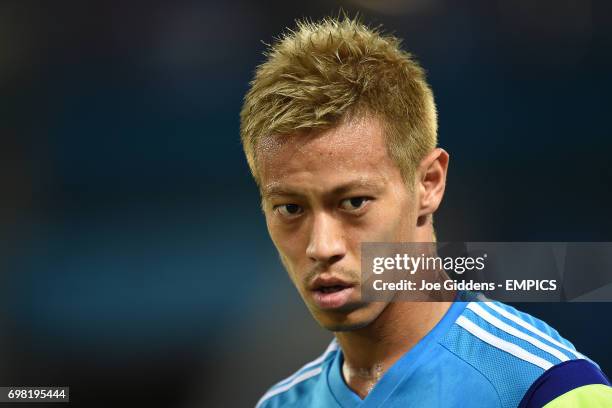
(324, 194)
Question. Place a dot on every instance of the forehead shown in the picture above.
(354, 150)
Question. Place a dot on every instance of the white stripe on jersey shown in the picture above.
(333, 346)
(529, 327)
(302, 377)
(476, 308)
(501, 344)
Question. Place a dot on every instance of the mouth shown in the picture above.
(331, 289)
(331, 293)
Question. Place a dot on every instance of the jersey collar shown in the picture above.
(398, 372)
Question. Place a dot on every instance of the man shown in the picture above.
(339, 129)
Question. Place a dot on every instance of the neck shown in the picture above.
(370, 351)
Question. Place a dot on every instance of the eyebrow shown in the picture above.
(277, 189)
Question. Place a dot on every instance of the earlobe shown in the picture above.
(432, 180)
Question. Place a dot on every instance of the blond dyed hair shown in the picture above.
(322, 72)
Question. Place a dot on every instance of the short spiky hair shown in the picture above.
(321, 72)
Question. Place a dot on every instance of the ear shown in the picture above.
(431, 181)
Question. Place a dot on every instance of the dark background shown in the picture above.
(135, 263)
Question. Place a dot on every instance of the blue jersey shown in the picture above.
(480, 354)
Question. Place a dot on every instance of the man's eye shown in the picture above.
(289, 210)
(353, 204)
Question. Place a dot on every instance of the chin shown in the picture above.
(345, 327)
(342, 322)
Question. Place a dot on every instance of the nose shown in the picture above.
(327, 242)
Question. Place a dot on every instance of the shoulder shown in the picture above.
(511, 349)
(574, 383)
(299, 384)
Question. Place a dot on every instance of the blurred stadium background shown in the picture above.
(135, 263)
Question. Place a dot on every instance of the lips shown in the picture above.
(331, 292)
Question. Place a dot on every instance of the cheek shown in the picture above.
(288, 242)
(388, 230)
(393, 222)
(276, 235)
